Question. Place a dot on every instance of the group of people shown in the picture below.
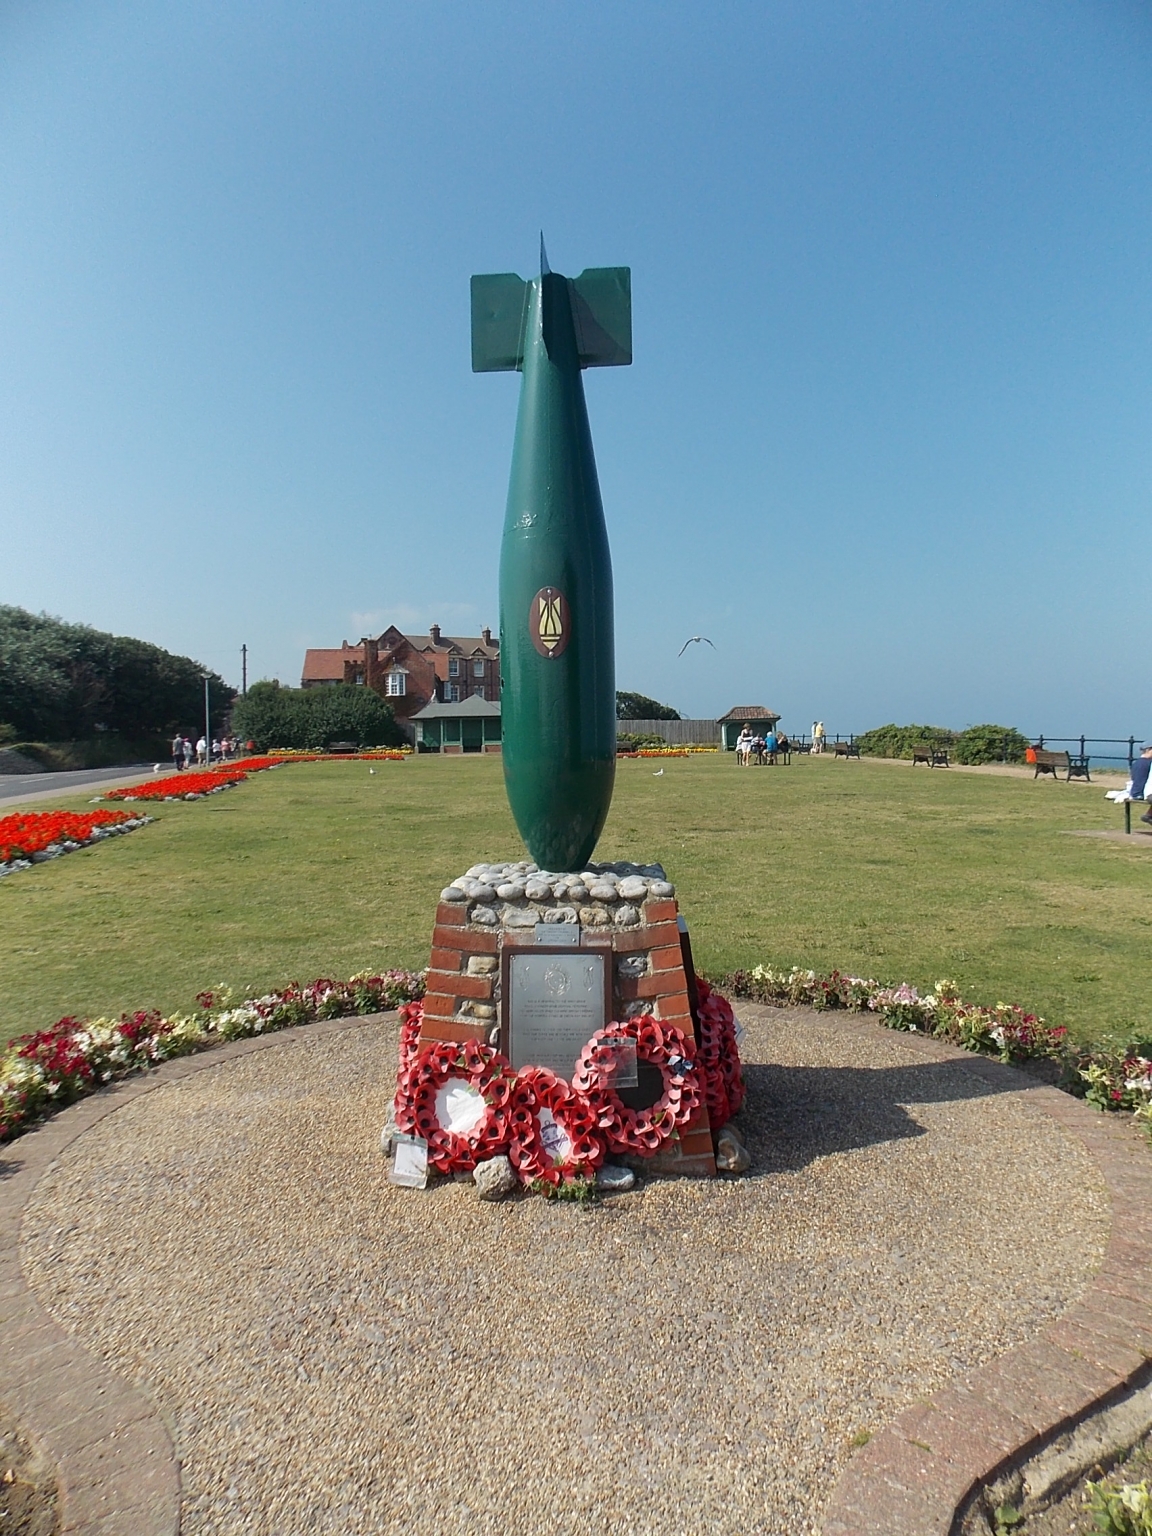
(761, 749)
(204, 752)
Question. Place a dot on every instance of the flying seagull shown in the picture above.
(694, 640)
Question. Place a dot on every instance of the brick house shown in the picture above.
(411, 671)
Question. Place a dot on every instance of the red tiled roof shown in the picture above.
(750, 712)
(324, 666)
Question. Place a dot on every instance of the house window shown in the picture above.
(395, 685)
(452, 693)
(453, 666)
(477, 669)
(359, 678)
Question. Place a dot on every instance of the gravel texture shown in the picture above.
(338, 1355)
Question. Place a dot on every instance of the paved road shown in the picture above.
(18, 787)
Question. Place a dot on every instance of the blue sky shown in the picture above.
(886, 439)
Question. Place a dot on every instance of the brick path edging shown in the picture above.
(117, 1466)
(115, 1462)
(917, 1474)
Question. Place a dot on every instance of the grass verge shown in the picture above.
(875, 868)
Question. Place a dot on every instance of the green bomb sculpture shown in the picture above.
(557, 656)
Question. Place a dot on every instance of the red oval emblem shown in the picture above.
(550, 622)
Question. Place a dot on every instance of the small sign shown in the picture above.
(409, 1162)
(557, 933)
(555, 998)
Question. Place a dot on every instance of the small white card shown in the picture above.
(621, 1057)
(409, 1162)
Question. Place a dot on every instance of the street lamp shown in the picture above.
(207, 724)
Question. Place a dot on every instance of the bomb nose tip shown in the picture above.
(544, 267)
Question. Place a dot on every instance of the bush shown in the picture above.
(899, 740)
(637, 706)
(990, 744)
(310, 718)
(632, 742)
(65, 682)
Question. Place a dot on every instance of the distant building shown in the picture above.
(412, 671)
(473, 725)
(755, 716)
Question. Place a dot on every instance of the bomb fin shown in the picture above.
(602, 314)
(499, 311)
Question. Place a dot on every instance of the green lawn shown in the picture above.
(876, 868)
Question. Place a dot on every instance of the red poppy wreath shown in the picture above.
(458, 1098)
(411, 1023)
(664, 1047)
(719, 1056)
(554, 1137)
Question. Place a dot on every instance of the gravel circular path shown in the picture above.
(333, 1354)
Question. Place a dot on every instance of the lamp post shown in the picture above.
(207, 725)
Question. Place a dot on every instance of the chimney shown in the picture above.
(486, 635)
(435, 633)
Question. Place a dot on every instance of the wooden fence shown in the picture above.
(677, 733)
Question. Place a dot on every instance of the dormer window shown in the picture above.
(396, 683)
(477, 668)
(453, 666)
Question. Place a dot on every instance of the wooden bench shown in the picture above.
(845, 749)
(1057, 762)
(935, 757)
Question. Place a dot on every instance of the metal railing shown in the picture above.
(1077, 746)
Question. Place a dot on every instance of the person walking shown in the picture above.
(201, 751)
(818, 736)
(187, 752)
(178, 752)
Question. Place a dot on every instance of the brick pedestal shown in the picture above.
(648, 976)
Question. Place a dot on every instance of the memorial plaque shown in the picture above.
(554, 1000)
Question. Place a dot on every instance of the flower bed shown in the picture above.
(469, 1105)
(43, 1071)
(1117, 1078)
(190, 785)
(194, 786)
(666, 751)
(34, 837)
(369, 754)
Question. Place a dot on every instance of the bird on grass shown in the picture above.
(693, 640)
(371, 770)
(659, 774)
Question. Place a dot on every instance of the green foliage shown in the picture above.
(579, 1191)
(66, 682)
(637, 706)
(990, 744)
(899, 740)
(978, 744)
(1007, 1518)
(636, 742)
(310, 718)
(1122, 1511)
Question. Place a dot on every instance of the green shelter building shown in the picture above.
(758, 719)
(469, 725)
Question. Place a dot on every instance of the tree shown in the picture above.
(62, 682)
(637, 706)
(312, 718)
